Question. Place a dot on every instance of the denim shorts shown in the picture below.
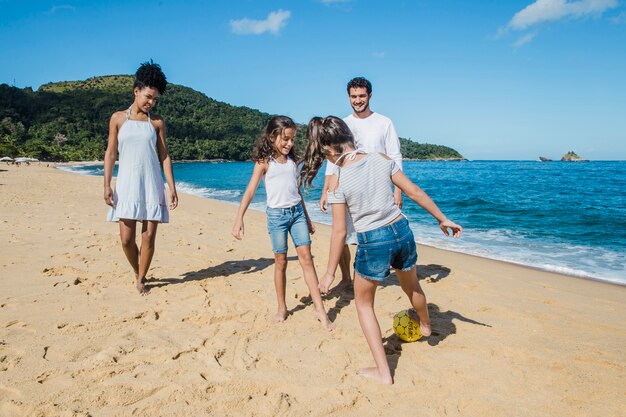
(391, 245)
(283, 221)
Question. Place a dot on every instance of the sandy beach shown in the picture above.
(77, 340)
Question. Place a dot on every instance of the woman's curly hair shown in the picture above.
(264, 149)
(150, 74)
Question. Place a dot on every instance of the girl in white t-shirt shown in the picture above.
(275, 161)
(365, 189)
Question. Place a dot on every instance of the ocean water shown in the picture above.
(562, 217)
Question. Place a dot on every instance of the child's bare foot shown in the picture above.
(343, 284)
(280, 316)
(323, 318)
(375, 374)
(424, 328)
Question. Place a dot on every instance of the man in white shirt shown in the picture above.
(372, 132)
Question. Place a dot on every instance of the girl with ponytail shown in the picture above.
(364, 187)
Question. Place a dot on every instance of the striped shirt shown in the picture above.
(366, 188)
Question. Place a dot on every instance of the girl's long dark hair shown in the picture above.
(331, 132)
(264, 149)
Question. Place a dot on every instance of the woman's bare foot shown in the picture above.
(424, 328)
(375, 374)
(280, 316)
(139, 284)
(323, 318)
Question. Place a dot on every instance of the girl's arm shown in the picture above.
(418, 195)
(109, 159)
(260, 168)
(306, 213)
(337, 242)
(166, 161)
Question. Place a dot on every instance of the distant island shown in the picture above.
(572, 157)
(68, 121)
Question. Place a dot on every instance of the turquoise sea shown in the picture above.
(562, 217)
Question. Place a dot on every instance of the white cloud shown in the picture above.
(549, 10)
(524, 40)
(378, 54)
(274, 23)
(55, 9)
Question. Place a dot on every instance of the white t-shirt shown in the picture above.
(281, 184)
(375, 133)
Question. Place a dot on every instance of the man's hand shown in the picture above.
(324, 203)
(397, 197)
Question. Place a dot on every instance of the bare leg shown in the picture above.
(148, 240)
(280, 282)
(411, 287)
(364, 293)
(310, 277)
(129, 246)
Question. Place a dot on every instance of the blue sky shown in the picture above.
(492, 79)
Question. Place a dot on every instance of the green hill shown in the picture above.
(68, 120)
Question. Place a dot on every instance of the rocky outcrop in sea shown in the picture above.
(572, 157)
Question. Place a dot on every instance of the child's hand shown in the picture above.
(311, 226)
(457, 230)
(108, 197)
(237, 231)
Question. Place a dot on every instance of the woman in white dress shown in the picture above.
(138, 137)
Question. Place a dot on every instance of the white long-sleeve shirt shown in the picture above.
(375, 133)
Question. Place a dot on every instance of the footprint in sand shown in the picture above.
(58, 271)
(43, 377)
(282, 403)
(9, 359)
(242, 359)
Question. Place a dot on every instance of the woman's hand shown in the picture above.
(173, 200)
(108, 196)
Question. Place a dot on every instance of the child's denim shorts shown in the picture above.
(292, 220)
(392, 245)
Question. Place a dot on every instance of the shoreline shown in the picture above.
(582, 275)
(77, 336)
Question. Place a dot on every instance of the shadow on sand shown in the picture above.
(442, 325)
(427, 273)
(246, 266)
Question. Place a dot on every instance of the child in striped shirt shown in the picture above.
(364, 187)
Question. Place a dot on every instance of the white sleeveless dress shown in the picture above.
(139, 188)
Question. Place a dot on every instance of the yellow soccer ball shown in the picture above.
(405, 327)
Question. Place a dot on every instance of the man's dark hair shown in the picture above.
(360, 82)
(150, 74)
